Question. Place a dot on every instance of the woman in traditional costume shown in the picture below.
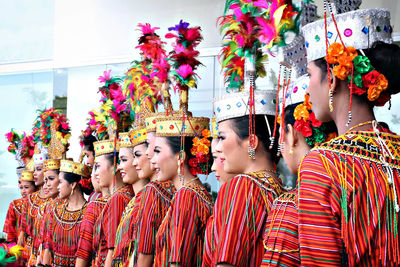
(179, 157)
(22, 147)
(64, 223)
(106, 155)
(222, 177)
(42, 134)
(348, 187)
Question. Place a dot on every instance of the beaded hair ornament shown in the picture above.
(338, 38)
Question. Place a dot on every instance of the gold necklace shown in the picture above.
(195, 178)
(359, 125)
(77, 219)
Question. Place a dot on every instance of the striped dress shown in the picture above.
(63, 234)
(125, 236)
(28, 220)
(208, 242)
(154, 205)
(106, 226)
(85, 245)
(347, 197)
(12, 224)
(281, 236)
(240, 214)
(181, 234)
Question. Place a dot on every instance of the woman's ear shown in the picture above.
(291, 136)
(334, 81)
(180, 157)
(73, 185)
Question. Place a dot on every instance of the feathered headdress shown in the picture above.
(21, 145)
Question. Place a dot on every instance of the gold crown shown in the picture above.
(76, 168)
(51, 164)
(104, 147)
(26, 176)
(138, 135)
(150, 121)
(30, 165)
(214, 128)
(124, 140)
(172, 125)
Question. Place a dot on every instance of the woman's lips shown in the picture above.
(123, 174)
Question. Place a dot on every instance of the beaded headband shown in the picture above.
(176, 126)
(26, 176)
(124, 140)
(138, 136)
(104, 147)
(359, 29)
(51, 164)
(214, 128)
(76, 168)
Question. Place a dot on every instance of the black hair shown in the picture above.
(240, 126)
(174, 143)
(73, 177)
(385, 58)
(57, 171)
(110, 158)
(88, 142)
(289, 117)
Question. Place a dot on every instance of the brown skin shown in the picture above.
(89, 156)
(319, 97)
(26, 188)
(125, 166)
(234, 152)
(151, 139)
(51, 181)
(218, 166)
(38, 175)
(297, 142)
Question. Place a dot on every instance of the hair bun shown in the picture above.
(386, 59)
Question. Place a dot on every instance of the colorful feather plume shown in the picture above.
(43, 123)
(247, 26)
(184, 54)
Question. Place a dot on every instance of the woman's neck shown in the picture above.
(261, 162)
(41, 192)
(76, 200)
(139, 185)
(118, 185)
(187, 178)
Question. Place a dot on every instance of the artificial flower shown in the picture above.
(301, 112)
(374, 92)
(341, 72)
(303, 127)
(314, 121)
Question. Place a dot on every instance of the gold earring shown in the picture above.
(330, 100)
(291, 150)
(72, 192)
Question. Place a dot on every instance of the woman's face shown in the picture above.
(233, 151)
(151, 141)
(51, 181)
(165, 162)
(89, 156)
(38, 175)
(64, 188)
(26, 188)
(142, 162)
(318, 89)
(218, 166)
(104, 171)
(125, 166)
(95, 182)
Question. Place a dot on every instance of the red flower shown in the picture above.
(382, 99)
(357, 90)
(370, 78)
(303, 127)
(314, 121)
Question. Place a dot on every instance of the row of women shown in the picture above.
(149, 207)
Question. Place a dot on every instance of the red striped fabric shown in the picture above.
(12, 223)
(64, 233)
(85, 245)
(154, 205)
(181, 234)
(208, 251)
(346, 205)
(240, 213)
(125, 236)
(107, 224)
(281, 236)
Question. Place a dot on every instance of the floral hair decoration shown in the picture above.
(359, 72)
(306, 123)
(201, 151)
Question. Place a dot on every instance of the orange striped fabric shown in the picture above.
(12, 223)
(347, 203)
(154, 205)
(208, 251)
(107, 224)
(85, 245)
(180, 237)
(281, 236)
(240, 213)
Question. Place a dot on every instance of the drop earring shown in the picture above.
(291, 150)
(330, 99)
